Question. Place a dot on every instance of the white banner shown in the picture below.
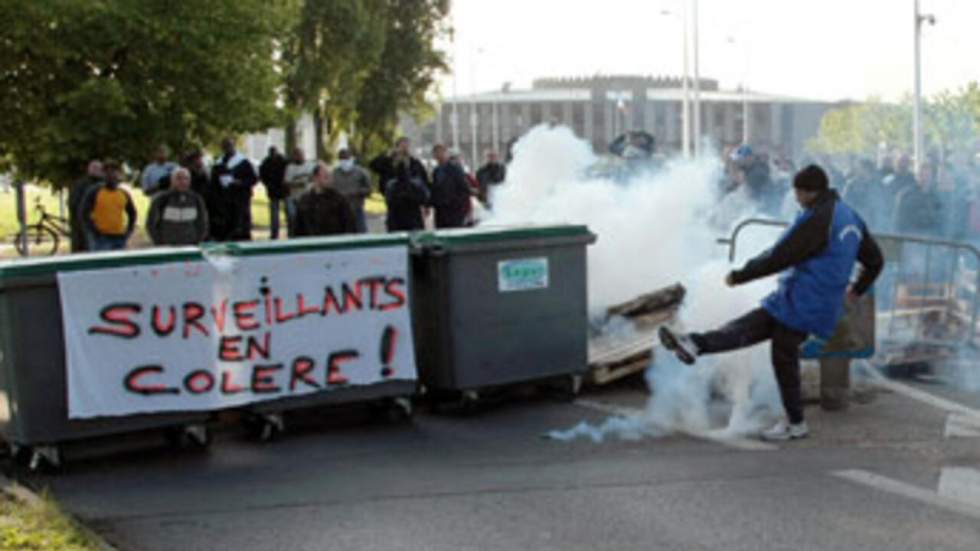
(193, 336)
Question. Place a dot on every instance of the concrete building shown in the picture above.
(600, 108)
(256, 146)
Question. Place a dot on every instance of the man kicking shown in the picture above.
(817, 253)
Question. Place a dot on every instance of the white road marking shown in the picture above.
(943, 404)
(909, 491)
(960, 484)
(717, 436)
(962, 426)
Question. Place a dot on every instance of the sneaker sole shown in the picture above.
(670, 343)
(765, 438)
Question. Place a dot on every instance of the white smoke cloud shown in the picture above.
(651, 231)
(657, 229)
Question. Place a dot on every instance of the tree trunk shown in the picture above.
(318, 132)
(290, 137)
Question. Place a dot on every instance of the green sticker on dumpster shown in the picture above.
(525, 274)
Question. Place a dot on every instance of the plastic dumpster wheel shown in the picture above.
(45, 459)
(265, 427)
(469, 401)
(19, 455)
(399, 409)
(565, 388)
(189, 437)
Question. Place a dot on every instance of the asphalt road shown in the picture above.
(868, 478)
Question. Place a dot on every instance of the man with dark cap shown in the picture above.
(816, 255)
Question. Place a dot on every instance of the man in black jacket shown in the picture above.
(272, 171)
(386, 165)
(323, 210)
(450, 192)
(917, 207)
(817, 255)
(490, 174)
(232, 178)
(93, 177)
(405, 197)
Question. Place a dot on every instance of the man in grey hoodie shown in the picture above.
(354, 183)
(177, 216)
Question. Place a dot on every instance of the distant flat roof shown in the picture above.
(655, 94)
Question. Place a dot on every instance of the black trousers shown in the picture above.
(753, 328)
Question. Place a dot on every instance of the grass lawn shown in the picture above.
(40, 525)
(8, 209)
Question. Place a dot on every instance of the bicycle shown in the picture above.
(47, 231)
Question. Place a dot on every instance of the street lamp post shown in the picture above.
(686, 100)
(917, 104)
(454, 117)
(744, 92)
(697, 85)
(495, 124)
(474, 117)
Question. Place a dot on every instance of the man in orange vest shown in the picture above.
(108, 213)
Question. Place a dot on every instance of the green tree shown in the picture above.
(839, 132)
(335, 45)
(951, 122)
(114, 78)
(408, 67)
(951, 119)
(861, 128)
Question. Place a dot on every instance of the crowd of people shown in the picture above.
(191, 202)
(940, 200)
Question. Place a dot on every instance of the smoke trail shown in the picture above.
(654, 230)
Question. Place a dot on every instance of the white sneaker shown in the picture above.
(681, 345)
(782, 431)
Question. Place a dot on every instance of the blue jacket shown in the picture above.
(816, 255)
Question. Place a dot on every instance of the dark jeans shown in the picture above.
(106, 242)
(274, 205)
(292, 207)
(240, 215)
(79, 240)
(753, 328)
(360, 219)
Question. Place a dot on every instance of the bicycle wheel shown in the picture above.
(40, 238)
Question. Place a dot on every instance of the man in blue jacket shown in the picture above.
(817, 255)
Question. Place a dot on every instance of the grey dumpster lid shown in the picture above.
(496, 234)
(50, 265)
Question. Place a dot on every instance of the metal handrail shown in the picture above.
(902, 238)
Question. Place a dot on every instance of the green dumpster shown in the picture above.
(111, 343)
(33, 386)
(497, 306)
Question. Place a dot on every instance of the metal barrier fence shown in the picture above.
(928, 295)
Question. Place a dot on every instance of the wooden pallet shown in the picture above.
(613, 357)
